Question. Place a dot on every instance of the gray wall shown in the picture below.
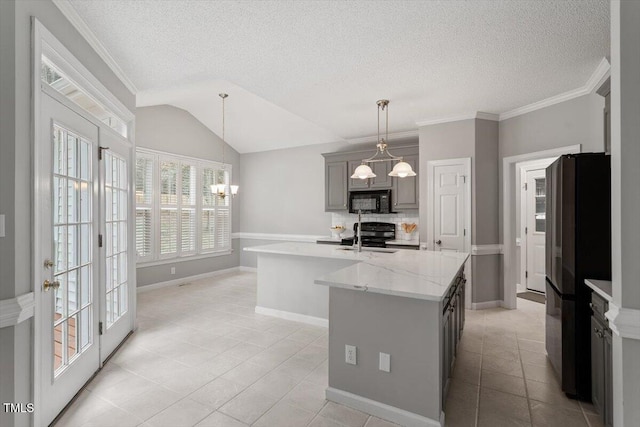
(577, 121)
(477, 139)
(176, 131)
(16, 179)
(283, 191)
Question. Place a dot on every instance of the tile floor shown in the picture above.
(202, 357)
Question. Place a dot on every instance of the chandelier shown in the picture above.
(401, 169)
(222, 189)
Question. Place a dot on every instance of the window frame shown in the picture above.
(155, 257)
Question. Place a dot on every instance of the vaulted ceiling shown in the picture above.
(307, 72)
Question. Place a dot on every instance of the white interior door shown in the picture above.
(449, 180)
(535, 229)
(116, 318)
(67, 253)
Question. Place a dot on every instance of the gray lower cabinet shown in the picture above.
(335, 186)
(451, 330)
(601, 363)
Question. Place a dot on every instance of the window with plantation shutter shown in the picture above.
(144, 207)
(177, 214)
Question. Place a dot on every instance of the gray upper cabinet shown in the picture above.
(340, 166)
(405, 190)
(335, 186)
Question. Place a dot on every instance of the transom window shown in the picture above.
(177, 215)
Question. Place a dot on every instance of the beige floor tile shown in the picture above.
(246, 373)
(307, 395)
(471, 344)
(248, 406)
(530, 345)
(220, 364)
(344, 415)
(503, 366)
(275, 384)
(187, 379)
(319, 375)
(216, 393)
(297, 367)
(544, 374)
(488, 419)
(468, 359)
(184, 413)
(218, 419)
(534, 358)
(285, 415)
(85, 407)
(594, 420)
(377, 422)
(490, 352)
(319, 421)
(588, 408)
(554, 416)
(463, 391)
(146, 405)
(496, 403)
(243, 351)
(460, 413)
(501, 382)
(463, 373)
(114, 418)
(550, 393)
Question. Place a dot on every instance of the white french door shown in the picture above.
(535, 230)
(84, 307)
(116, 253)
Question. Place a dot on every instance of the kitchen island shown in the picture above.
(401, 303)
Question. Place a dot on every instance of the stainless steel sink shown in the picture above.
(383, 250)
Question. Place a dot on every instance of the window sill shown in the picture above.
(142, 264)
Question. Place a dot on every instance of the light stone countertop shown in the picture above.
(601, 287)
(423, 275)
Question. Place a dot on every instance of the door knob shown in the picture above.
(50, 285)
(438, 242)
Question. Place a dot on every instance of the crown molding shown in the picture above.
(79, 24)
(598, 77)
(392, 136)
(468, 116)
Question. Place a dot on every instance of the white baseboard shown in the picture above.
(382, 410)
(296, 317)
(176, 282)
(486, 304)
(248, 269)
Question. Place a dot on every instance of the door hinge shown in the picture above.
(526, 230)
(464, 179)
(99, 240)
(525, 186)
(99, 328)
(464, 232)
(100, 150)
(526, 274)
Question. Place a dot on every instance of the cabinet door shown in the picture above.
(597, 365)
(382, 179)
(445, 351)
(608, 379)
(335, 186)
(356, 184)
(405, 194)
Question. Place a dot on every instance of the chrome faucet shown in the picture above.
(359, 235)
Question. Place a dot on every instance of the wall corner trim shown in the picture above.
(381, 410)
(624, 322)
(599, 75)
(176, 282)
(81, 26)
(278, 237)
(495, 249)
(16, 310)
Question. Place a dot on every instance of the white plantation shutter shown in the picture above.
(144, 206)
(177, 215)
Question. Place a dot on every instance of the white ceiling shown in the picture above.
(301, 72)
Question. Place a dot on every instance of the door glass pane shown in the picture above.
(541, 205)
(72, 242)
(117, 205)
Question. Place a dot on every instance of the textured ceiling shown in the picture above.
(301, 72)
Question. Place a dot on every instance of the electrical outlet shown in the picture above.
(351, 354)
(173, 270)
(385, 362)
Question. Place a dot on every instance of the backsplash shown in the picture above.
(347, 220)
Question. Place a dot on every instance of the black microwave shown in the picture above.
(378, 201)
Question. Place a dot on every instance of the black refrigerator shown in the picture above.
(578, 247)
